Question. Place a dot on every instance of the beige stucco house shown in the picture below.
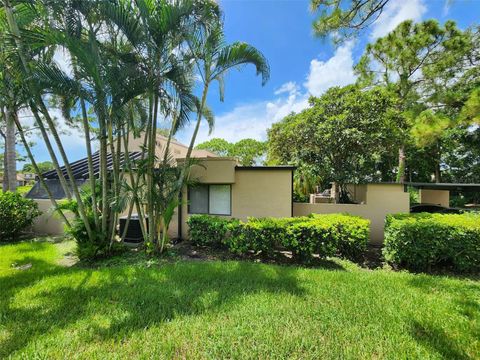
(227, 189)
(223, 188)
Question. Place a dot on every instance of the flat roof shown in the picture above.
(279, 167)
(444, 186)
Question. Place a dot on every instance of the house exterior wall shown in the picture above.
(262, 193)
(381, 200)
(48, 223)
(214, 171)
(437, 197)
(358, 192)
(255, 192)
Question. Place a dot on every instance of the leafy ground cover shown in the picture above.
(136, 307)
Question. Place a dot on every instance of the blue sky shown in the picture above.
(301, 65)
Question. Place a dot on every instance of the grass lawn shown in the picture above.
(213, 309)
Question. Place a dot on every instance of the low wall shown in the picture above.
(438, 197)
(381, 200)
(48, 223)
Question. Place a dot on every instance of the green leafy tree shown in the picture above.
(247, 151)
(217, 145)
(42, 166)
(406, 58)
(344, 136)
(345, 19)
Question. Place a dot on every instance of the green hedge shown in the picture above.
(422, 242)
(323, 235)
(208, 230)
(265, 235)
(351, 233)
(16, 214)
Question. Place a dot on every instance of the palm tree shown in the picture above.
(158, 33)
(214, 59)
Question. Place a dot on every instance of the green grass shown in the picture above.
(24, 189)
(229, 310)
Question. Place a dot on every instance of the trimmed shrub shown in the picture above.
(323, 235)
(260, 235)
(311, 236)
(208, 230)
(16, 214)
(424, 241)
(351, 232)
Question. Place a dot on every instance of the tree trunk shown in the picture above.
(401, 165)
(10, 154)
(5, 170)
(194, 137)
(438, 171)
(38, 173)
(38, 101)
(438, 175)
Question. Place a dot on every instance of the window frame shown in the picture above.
(208, 200)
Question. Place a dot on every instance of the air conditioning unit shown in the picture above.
(134, 231)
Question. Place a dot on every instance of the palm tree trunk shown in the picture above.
(103, 173)
(135, 200)
(50, 150)
(199, 119)
(5, 167)
(10, 153)
(151, 164)
(91, 173)
(38, 172)
(194, 136)
(39, 101)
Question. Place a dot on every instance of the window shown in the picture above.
(198, 197)
(210, 199)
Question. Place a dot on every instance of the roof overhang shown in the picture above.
(444, 186)
(280, 167)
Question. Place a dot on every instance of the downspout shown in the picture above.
(180, 218)
(291, 215)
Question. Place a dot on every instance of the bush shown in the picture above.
(323, 235)
(422, 242)
(87, 249)
(311, 236)
(16, 214)
(351, 234)
(263, 235)
(208, 230)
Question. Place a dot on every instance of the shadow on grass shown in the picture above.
(132, 298)
(437, 340)
(464, 300)
(187, 251)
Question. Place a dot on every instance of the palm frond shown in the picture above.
(240, 54)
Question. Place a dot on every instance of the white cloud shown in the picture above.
(287, 88)
(63, 60)
(250, 120)
(446, 7)
(395, 12)
(336, 71)
(253, 120)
